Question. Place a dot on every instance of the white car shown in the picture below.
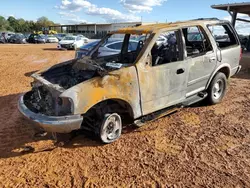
(51, 39)
(72, 42)
(161, 39)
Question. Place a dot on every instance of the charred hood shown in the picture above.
(69, 74)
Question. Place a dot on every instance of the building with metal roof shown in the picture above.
(233, 9)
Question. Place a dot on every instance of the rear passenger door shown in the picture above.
(228, 43)
(201, 59)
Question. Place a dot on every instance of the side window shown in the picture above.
(115, 46)
(223, 35)
(166, 48)
(197, 41)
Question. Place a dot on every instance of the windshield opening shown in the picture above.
(118, 49)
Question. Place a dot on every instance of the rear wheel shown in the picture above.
(217, 88)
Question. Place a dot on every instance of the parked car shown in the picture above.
(51, 39)
(60, 36)
(18, 38)
(5, 36)
(71, 42)
(2, 39)
(83, 50)
(35, 38)
(111, 47)
(101, 94)
(161, 39)
(86, 40)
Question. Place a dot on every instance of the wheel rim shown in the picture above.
(111, 128)
(218, 89)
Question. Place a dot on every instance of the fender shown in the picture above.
(224, 65)
(121, 84)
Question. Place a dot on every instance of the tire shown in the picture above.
(100, 121)
(217, 89)
(111, 128)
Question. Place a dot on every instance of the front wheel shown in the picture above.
(111, 128)
(217, 89)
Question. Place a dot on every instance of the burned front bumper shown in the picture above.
(58, 124)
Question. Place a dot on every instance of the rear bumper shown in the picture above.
(59, 124)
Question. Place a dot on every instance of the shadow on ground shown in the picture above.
(28, 74)
(54, 49)
(19, 137)
(243, 74)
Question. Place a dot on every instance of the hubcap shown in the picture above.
(111, 128)
(218, 89)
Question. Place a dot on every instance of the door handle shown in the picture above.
(212, 59)
(180, 71)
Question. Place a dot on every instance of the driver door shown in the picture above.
(163, 74)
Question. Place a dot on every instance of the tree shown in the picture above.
(12, 21)
(44, 22)
(3, 23)
(24, 26)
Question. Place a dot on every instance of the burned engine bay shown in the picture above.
(73, 73)
(67, 76)
(45, 100)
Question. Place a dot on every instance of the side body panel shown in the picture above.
(122, 84)
(230, 57)
(160, 85)
(201, 67)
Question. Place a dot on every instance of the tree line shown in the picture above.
(24, 26)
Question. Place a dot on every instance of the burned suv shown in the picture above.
(173, 65)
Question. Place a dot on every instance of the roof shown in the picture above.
(243, 8)
(93, 24)
(153, 28)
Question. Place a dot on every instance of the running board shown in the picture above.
(166, 111)
(156, 115)
(195, 98)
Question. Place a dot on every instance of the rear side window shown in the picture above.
(223, 35)
(197, 42)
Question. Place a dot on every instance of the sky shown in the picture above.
(103, 11)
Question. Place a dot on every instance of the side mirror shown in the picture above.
(195, 52)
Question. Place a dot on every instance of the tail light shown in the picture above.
(240, 53)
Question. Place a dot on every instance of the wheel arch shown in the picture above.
(224, 68)
(115, 103)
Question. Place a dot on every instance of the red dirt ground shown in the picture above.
(204, 146)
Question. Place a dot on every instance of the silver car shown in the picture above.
(111, 47)
(102, 93)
